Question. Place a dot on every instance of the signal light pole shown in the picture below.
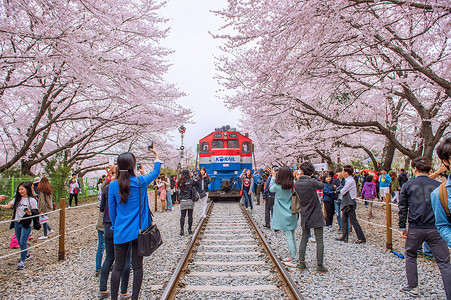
(182, 131)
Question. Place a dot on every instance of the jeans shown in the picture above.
(337, 205)
(22, 235)
(46, 228)
(349, 216)
(100, 248)
(121, 252)
(247, 199)
(182, 219)
(108, 262)
(268, 210)
(168, 200)
(415, 237)
(291, 241)
(319, 244)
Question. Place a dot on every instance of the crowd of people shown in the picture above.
(423, 211)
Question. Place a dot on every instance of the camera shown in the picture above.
(138, 166)
(150, 145)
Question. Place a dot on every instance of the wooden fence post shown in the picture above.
(388, 223)
(156, 201)
(62, 231)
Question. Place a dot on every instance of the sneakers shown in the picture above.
(312, 239)
(286, 259)
(20, 265)
(321, 269)
(101, 295)
(429, 258)
(412, 291)
(302, 265)
(290, 264)
(51, 231)
(43, 237)
(127, 296)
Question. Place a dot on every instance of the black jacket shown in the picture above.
(415, 202)
(104, 207)
(27, 222)
(206, 183)
(186, 193)
(402, 179)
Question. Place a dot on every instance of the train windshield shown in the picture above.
(246, 147)
(204, 147)
(217, 144)
(233, 144)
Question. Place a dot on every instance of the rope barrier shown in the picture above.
(35, 246)
(76, 230)
(360, 200)
(378, 225)
(81, 206)
(30, 217)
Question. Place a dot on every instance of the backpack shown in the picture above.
(444, 199)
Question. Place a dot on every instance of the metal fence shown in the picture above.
(8, 186)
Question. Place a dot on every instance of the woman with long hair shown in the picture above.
(45, 203)
(24, 206)
(161, 184)
(203, 180)
(186, 185)
(247, 185)
(328, 200)
(282, 218)
(123, 203)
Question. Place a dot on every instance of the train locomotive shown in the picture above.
(225, 153)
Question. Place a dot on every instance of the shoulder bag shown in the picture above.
(295, 202)
(202, 192)
(150, 239)
(195, 194)
(444, 199)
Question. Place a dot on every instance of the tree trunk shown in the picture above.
(389, 154)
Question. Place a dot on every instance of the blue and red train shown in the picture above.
(225, 153)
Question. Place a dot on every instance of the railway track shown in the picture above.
(229, 258)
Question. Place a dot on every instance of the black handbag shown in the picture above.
(195, 194)
(149, 240)
(202, 192)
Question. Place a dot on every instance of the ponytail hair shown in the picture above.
(126, 163)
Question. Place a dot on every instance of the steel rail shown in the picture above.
(171, 288)
(288, 284)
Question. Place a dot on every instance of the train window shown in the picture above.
(217, 135)
(233, 144)
(246, 147)
(217, 144)
(204, 147)
(233, 136)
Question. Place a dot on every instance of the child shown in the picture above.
(369, 193)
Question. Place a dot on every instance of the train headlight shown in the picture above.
(236, 172)
(215, 172)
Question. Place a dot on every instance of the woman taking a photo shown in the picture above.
(186, 185)
(45, 203)
(204, 181)
(282, 219)
(24, 206)
(123, 204)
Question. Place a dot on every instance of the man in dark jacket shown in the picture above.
(415, 203)
(335, 184)
(268, 197)
(402, 177)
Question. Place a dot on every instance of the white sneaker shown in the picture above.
(312, 239)
(286, 259)
(43, 237)
(290, 264)
(51, 231)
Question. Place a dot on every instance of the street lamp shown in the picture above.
(182, 131)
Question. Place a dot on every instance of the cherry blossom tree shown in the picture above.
(369, 67)
(84, 78)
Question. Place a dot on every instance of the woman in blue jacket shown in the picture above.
(328, 200)
(123, 203)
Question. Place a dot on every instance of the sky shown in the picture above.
(193, 67)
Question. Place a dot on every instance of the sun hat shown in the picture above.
(36, 180)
